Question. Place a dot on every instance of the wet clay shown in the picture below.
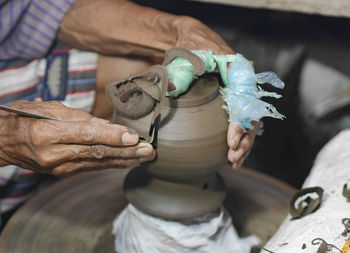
(181, 181)
(189, 133)
(136, 96)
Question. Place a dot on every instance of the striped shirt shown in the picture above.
(24, 80)
(28, 28)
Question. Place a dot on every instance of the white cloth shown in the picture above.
(331, 171)
(138, 232)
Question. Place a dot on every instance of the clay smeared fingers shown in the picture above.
(95, 164)
(234, 135)
(235, 155)
(94, 133)
(242, 159)
(247, 139)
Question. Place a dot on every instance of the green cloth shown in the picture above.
(180, 70)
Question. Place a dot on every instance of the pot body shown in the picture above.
(192, 133)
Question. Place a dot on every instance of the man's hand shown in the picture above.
(240, 143)
(78, 142)
(194, 35)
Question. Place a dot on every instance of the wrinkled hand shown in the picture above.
(194, 35)
(79, 142)
(240, 143)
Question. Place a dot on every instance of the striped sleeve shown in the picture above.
(29, 27)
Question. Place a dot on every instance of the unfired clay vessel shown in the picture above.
(192, 133)
(191, 145)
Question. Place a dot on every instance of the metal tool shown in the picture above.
(25, 113)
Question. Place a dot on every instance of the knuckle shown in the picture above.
(44, 159)
(98, 151)
(36, 136)
(192, 21)
(78, 114)
(87, 133)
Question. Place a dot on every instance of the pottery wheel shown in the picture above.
(76, 214)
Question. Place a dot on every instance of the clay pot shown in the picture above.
(192, 133)
(191, 145)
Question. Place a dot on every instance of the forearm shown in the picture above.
(119, 27)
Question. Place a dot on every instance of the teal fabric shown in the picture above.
(180, 70)
(241, 93)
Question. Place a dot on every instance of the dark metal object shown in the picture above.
(76, 214)
(346, 223)
(25, 113)
(346, 192)
(324, 246)
(306, 205)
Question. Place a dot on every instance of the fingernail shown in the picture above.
(143, 151)
(129, 138)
